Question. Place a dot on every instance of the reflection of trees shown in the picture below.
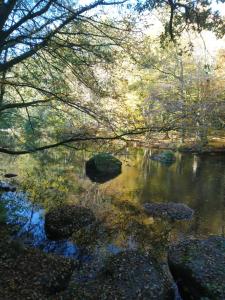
(223, 206)
(195, 165)
(132, 228)
(146, 163)
(199, 198)
(208, 192)
(56, 177)
(49, 177)
(180, 163)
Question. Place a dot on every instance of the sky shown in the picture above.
(211, 43)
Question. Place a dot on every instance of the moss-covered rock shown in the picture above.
(199, 268)
(166, 157)
(170, 210)
(103, 167)
(127, 275)
(62, 221)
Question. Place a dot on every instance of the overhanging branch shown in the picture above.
(80, 138)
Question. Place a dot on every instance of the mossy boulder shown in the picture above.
(170, 210)
(103, 167)
(61, 222)
(166, 157)
(128, 275)
(199, 268)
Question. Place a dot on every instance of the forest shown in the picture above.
(112, 143)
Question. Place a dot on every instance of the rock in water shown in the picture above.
(103, 167)
(170, 210)
(10, 175)
(166, 157)
(199, 268)
(128, 275)
(61, 222)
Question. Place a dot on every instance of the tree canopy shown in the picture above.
(64, 69)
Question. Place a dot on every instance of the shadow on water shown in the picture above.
(98, 177)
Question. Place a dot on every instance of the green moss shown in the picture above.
(103, 167)
(200, 266)
(105, 161)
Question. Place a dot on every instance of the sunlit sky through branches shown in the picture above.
(207, 40)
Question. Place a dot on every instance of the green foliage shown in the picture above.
(91, 81)
(186, 15)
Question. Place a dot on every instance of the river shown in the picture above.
(52, 178)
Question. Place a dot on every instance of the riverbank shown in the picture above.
(214, 146)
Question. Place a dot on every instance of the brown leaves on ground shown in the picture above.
(31, 274)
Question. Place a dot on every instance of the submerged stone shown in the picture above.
(61, 222)
(173, 211)
(127, 275)
(103, 167)
(199, 268)
(10, 175)
(166, 157)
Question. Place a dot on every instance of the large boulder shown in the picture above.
(166, 157)
(61, 222)
(199, 268)
(103, 167)
(170, 210)
(127, 275)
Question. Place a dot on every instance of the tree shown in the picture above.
(180, 90)
(42, 43)
(186, 15)
(56, 59)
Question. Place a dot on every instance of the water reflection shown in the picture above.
(197, 181)
(52, 178)
(195, 165)
(29, 219)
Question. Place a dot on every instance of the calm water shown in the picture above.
(198, 181)
(52, 178)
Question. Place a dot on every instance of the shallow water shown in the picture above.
(52, 178)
